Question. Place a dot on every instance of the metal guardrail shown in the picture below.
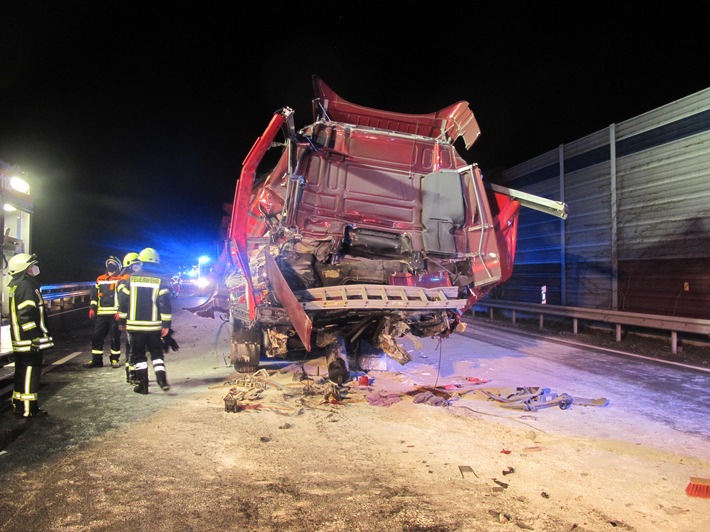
(57, 295)
(674, 324)
(66, 290)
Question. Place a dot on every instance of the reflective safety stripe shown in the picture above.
(21, 349)
(26, 303)
(46, 342)
(19, 396)
(28, 326)
(24, 346)
(21, 343)
(143, 326)
(28, 380)
(141, 365)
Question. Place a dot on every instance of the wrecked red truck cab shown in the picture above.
(370, 227)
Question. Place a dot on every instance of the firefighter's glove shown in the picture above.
(34, 347)
(169, 342)
(92, 313)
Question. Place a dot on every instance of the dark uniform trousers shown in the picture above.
(105, 324)
(28, 369)
(148, 342)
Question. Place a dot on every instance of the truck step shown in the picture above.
(380, 297)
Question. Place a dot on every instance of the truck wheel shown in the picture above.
(246, 349)
(337, 359)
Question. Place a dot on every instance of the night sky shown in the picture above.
(132, 120)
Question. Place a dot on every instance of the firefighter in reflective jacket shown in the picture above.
(30, 337)
(131, 263)
(102, 309)
(145, 311)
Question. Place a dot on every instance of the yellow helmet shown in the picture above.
(149, 255)
(20, 262)
(130, 258)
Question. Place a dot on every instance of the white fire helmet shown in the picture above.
(20, 263)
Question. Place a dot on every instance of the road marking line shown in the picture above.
(63, 360)
(45, 369)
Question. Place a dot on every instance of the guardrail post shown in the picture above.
(575, 325)
(674, 342)
(618, 332)
(542, 321)
(513, 317)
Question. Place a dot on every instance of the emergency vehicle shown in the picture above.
(15, 223)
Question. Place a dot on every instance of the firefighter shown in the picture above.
(131, 264)
(30, 336)
(102, 310)
(145, 311)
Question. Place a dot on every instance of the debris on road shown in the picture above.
(533, 398)
(430, 399)
(476, 380)
(467, 469)
(383, 398)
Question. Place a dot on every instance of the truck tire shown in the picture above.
(246, 348)
(337, 360)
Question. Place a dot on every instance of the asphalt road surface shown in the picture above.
(106, 458)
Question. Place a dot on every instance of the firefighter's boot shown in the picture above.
(96, 362)
(131, 374)
(141, 381)
(162, 380)
(114, 363)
